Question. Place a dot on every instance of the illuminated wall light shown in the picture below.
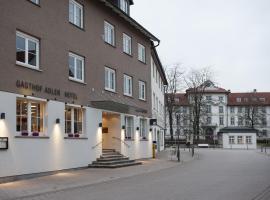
(57, 121)
(3, 116)
(138, 128)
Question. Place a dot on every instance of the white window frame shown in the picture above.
(221, 120)
(128, 85)
(29, 115)
(231, 139)
(248, 139)
(34, 40)
(142, 90)
(72, 121)
(72, 19)
(141, 53)
(129, 128)
(109, 33)
(238, 139)
(143, 129)
(221, 109)
(232, 121)
(76, 57)
(110, 84)
(124, 5)
(127, 44)
(35, 1)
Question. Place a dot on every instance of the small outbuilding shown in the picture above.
(238, 138)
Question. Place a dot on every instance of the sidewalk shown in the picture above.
(86, 177)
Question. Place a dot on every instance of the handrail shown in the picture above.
(93, 147)
(120, 140)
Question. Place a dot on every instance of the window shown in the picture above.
(27, 53)
(76, 67)
(208, 109)
(240, 109)
(127, 85)
(240, 121)
(231, 140)
(221, 99)
(221, 120)
(264, 121)
(109, 34)
(124, 6)
(221, 109)
(126, 44)
(232, 121)
(29, 116)
(76, 13)
(209, 120)
(142, 90)
(143, 128)
(248, 139)
(263, 109)
(239, 139)
(73, 120)
(232, 109)
(184, 110)
(110, 79)
(141, 53)
(208, 98)
(238, 100)
(129, 127)
(35, 1)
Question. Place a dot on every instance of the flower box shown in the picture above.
(24, 133)
(35, 134)
(76, 135)
(70, 135)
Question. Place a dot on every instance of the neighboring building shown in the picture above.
(225, 109)
(75, 78)
(158, 82)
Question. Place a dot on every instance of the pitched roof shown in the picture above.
(130, 20)
(209, 87)
(238, 130)
(182, 99)
(248, 98)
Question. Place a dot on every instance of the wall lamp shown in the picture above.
(57, 121)
(100, 125)
(123, 127)
(150, 129)
(138, 128)
(3, 116)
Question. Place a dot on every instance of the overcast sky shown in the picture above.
(232, 36)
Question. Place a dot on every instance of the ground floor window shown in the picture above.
(73, 120)
(248, 140)
(129, 127)
(240, 139)
(29, 116)
(231, 139)
(143, 129)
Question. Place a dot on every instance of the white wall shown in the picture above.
(27, 155)
(226, 145)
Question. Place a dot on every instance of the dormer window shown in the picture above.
(124, 6)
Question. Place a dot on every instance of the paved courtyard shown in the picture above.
(213, 175)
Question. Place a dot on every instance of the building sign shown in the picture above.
(3, 143)
(153, 122)
(44, 89)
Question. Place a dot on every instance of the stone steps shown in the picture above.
(112, 159)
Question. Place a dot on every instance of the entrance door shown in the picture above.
(209, 135)
(111, 131)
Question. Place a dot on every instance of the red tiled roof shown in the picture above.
(212, 90)
(258, 98)
(183, 99)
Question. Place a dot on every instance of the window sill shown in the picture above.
(77, 81)
(109, 44)
(32, 137)
(28, 66)
(38, 5)
(109, 90)
(78, 27)
(75, 138)
(129, 96)
(131, 140)
(144, 100)
(142, 62)
(130, 55)
(144, 140)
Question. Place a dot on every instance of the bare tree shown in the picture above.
(197, 81)
(174, 77)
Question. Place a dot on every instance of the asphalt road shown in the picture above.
(215, 175)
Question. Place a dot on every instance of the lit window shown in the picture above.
(73, 120)
(141, 53)
(27, 50)
(109, 34)
(142, 90)
(127, 85)
(30, 116)
(124, 6)
(127, 44)
(143, 129)
(129, 123)
(231, 140)
(240, 139)
(76, 67)
(110, 79)
(76, 13)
